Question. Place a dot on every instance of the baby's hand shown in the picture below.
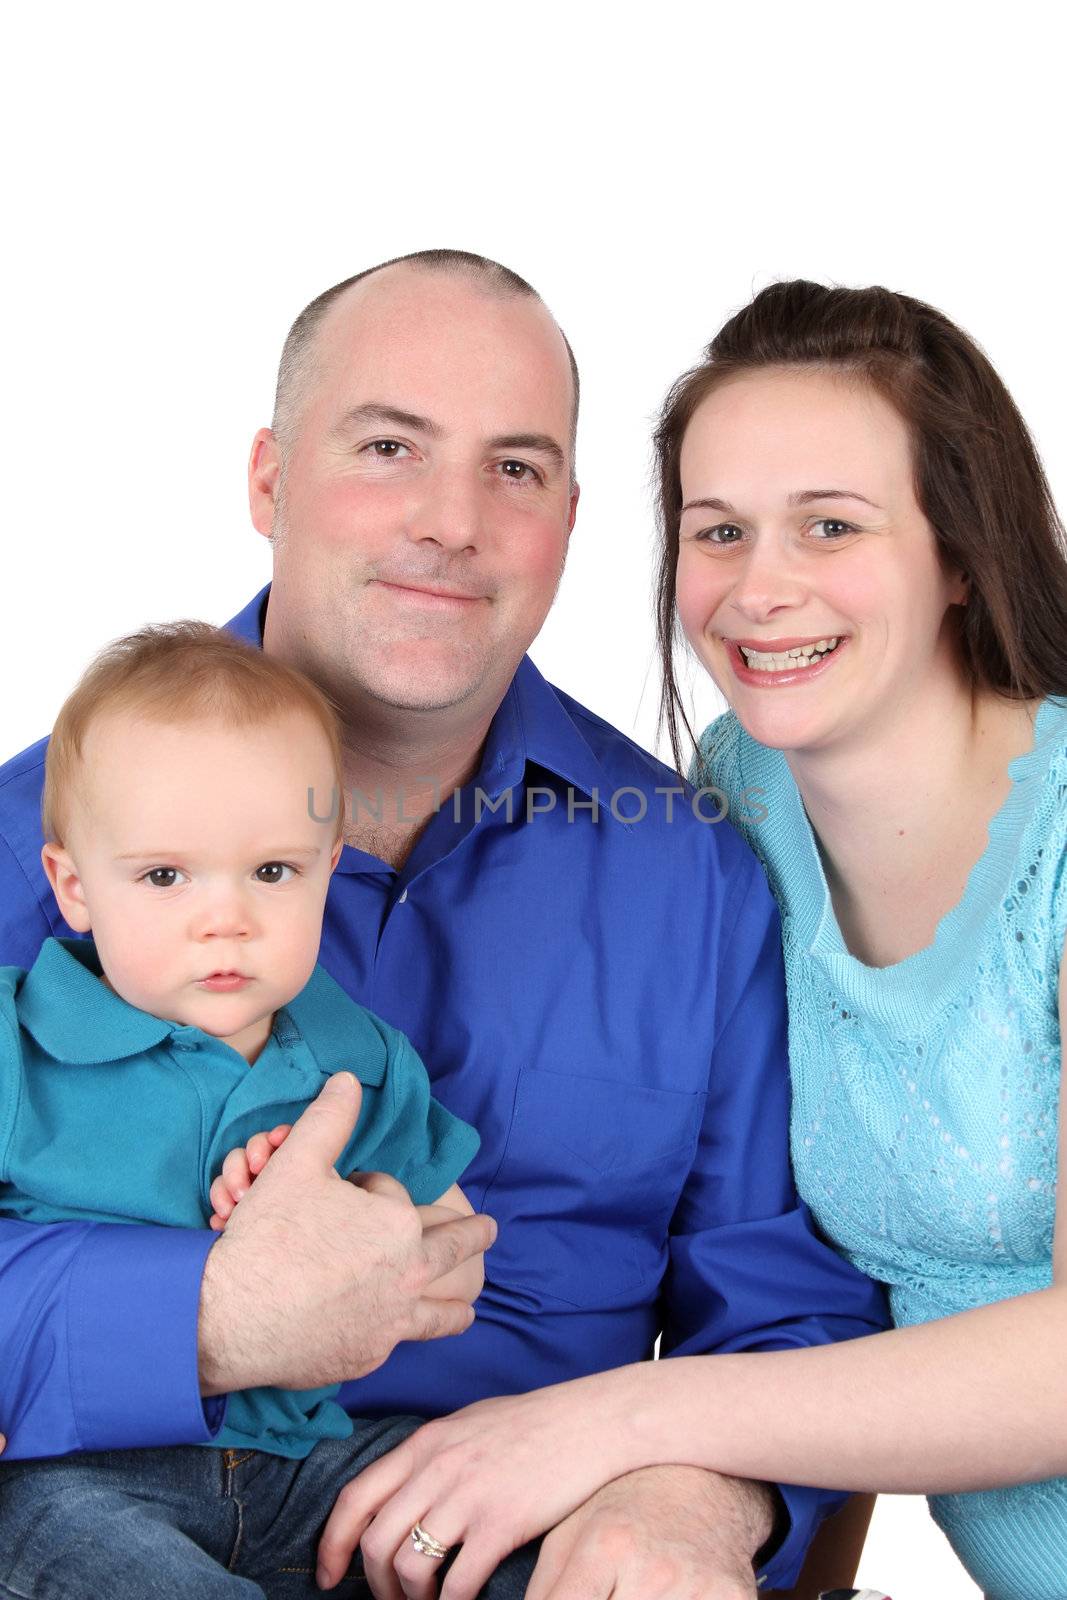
(239, 1171)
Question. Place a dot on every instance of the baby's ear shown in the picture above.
(335, 858)
(67, 886)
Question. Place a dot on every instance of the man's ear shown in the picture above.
(575, 492)
(67, 886)
(264, 473)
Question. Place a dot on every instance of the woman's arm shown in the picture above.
(970, 1402)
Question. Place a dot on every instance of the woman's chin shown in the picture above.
(775, 723)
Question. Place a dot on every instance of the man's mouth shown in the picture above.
(430, 593)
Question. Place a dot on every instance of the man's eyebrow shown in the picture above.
(542, 443)
(374, 414)
(802, 497)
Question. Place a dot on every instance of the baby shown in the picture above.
(184, 785)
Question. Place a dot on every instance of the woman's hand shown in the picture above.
(491, 1477)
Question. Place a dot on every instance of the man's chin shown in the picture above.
(428, 684)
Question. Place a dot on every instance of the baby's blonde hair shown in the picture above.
(180, 672)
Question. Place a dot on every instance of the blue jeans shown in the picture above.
(190, 1522)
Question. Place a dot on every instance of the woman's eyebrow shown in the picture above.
(710, 505)
(801, 497)
(804, 497)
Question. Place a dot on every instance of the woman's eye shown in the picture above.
(274, 872)
(725, 533)
(833, 528)
(163, 877)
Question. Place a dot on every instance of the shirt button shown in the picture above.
(403, 897)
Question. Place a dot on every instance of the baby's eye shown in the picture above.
(162, 877)
(274, 872)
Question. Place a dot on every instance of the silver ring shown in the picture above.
(426, 1544)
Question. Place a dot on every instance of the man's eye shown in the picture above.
(274, 872)
(518, 471)
(162, 877)
(386, 449)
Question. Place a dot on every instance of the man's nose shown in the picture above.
(449, 513)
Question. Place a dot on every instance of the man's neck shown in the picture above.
(396, 779)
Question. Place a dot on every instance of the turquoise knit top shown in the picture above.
(925, 1094)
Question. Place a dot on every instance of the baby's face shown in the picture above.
(202, 873)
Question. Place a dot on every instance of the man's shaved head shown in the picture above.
(296, 370)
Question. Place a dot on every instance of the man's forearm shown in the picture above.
(97, 1326)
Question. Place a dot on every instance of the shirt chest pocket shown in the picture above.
(587, 1186)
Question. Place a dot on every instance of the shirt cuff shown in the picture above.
(133, 1307)
(800, 1511)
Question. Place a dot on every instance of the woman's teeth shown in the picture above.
(786, 660)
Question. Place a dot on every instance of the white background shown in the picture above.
(180, 181)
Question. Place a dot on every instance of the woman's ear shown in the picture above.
(63, 875)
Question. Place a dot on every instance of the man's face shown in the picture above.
(422, 514)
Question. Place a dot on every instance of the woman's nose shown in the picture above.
(766, 583)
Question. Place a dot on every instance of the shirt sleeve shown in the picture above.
(98, 1333)
(404, 1131)
(747, 1270)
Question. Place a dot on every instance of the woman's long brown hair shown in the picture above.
(978, 478)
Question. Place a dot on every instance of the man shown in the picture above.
(590, 972)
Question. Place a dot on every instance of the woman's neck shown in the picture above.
(902, 812)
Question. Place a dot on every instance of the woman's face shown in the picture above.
(809, 583)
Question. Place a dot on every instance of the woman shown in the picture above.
(860, 545)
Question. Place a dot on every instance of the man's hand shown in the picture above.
(467, 1280)
(240, 1170)
(347, 1271)
(663, 1533)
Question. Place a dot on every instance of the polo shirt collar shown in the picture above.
(531, 724)
(335, 1030)
(76, 1018)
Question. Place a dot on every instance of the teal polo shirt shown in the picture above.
(110, 1114)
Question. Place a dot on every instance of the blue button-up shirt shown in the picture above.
(591, 971)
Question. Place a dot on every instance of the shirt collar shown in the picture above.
(340, 1034)
(76, 1018)
(531, 723)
